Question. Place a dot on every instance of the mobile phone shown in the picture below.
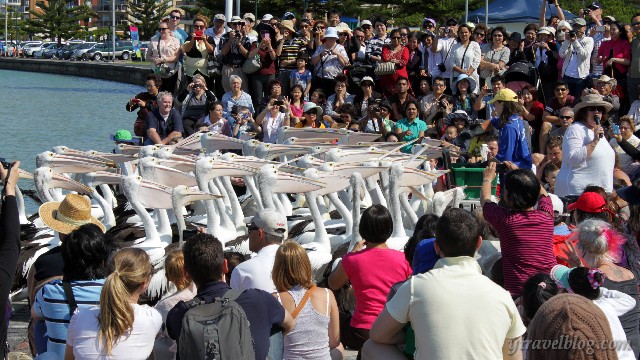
(198, 35)
(267, 36)
(572, 34)
(501, 168)
(600, 28)
(135, 101)
(616, 129)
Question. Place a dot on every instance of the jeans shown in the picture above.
(575, 85)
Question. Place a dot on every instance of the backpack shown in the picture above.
(218, 330)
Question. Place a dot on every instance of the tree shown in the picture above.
(146, 15)
(55, 20)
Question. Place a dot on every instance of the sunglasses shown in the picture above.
(635, 23)
(366, 27)
(200, 27)
(163, 29)
(320, 27)
(561, 89)
(452, 24)
(404, 35)
(173, 17)
(565, 117)
(395, 37)
(594, 109)
(479, 34)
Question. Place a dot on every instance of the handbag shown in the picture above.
(164, 70)
(252, 65)
(214, 65)
(385, 68)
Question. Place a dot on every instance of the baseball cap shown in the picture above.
(366, 22)
(220, 17)
(595, 5)
(610, 18)
(271, 222)
(579, 21)
(289, 15)
(267, 17)
(451, 21)
(249, 16)
(122, 135)
(504, 95)
(560, 274)
(367, 78)
(630, 194)
(235, 20)
(589, 202)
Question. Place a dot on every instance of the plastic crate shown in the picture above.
(472, 178)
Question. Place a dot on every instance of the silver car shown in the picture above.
(30, 47)
(37, 51)
(81, 50)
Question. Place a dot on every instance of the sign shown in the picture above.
(135, 39)
(13, 2)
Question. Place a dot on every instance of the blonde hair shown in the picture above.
(132, 269)
(291, 267)
(174, 269)
(202, 18)
(593, 244)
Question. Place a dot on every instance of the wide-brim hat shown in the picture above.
(547, 30)
(236, 20)
(592, 100)
(472, 83)
(343, 27)
(249, 16)
(69, 214)
(606, 79)
(308, 106)
(458, 114)
(287, 24)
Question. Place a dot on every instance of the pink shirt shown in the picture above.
(371, 281)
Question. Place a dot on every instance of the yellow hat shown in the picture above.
(68, 215)
(504, 95)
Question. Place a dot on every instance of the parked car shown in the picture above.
(33, 49)
(124, 49)
(82, 49)
(27, 47)
(50, 52)
(62, 50)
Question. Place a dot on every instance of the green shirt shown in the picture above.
(415, 127)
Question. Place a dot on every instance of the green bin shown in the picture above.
(472, 178)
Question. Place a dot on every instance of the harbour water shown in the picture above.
(39, 111)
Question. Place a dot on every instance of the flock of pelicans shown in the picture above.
(319, 178)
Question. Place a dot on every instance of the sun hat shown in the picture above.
(472, 83)
(563, 24)
(122, 135)
(267, 17)
(69, 214)
(308, 106)
(592, 100)
(504, 95)
(606, 79)
(287, 24)
(271, 222)
(366, 22)
(610, 18)
(579, 21)
(572, 317)
(590, 202)
(235, 20)
(220, 17)
(630, 194)
(560, 274)
(331, 32)
(547, 30)
(343, 27)
(428, 20)
(249, 16)
(471, 25)
(367, 78)
(458, 114)
(289, 13)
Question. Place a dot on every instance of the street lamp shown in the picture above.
(113, 29)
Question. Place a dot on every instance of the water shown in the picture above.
(39, 111)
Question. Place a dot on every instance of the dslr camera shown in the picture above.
(572, 33)
(5, 164)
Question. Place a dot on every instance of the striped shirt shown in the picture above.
(290, 50)
(51, 304)
(526, 240)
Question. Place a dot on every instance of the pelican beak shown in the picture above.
(23, 174)
(63, 163)
(193, 194)
(103, 177)
(213, 141)
(154, 195)
(192, 142)
(294, 184)
(63, 182)
(127, 149)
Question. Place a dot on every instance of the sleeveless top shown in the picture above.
(309, 339)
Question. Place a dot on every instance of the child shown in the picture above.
(245, 126)
(634, 111)
(588, 283)
(536, 291)
(550, 173)
(297, 103)
(301, 76)
(450, 134)
(319, 98)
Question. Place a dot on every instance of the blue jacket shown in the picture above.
(513, 142)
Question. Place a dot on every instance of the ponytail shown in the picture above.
(131, 270)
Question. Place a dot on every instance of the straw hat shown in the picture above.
(592, 100)
(68, 215)
(287, 24)
(343, 27)
(606, 79)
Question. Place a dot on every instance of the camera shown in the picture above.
(572, 33)
(501, 168)
(551, 2)
(5, 164)
(519, 93)
(586, 11)
(238, 35)
(195, 86)
(278, 103)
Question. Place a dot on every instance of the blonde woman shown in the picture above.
(119, 328)
(317, 331)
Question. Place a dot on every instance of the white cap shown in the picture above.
(271, 222)
(267, 17)
(366, 22)
(557, 203)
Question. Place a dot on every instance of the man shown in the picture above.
(204, 262)
(633, 76)
(368, 30)
(235, 49)
(291, 17)
(482, 101)
(288, 48)
(164, 124)
(454, 310)
(604, 86)
(554, 151)
(594, 11)
(448, 36)
(216, 32)
(249, 22)
(267, 230)
(430, 59)
(174, 20)
(400, 98)
(596, 29)
(430, 105)
(550, 116)
(546, 60)
(492, 144)
(566, 119)
(576, 52)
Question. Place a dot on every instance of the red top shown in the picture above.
(621, 49)
(388, 82)
(526, 241)
(268, 66)
(371, 282)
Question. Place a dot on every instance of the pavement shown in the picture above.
(17, 334)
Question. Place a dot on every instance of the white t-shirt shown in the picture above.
(270, 127)
(613, 304)
(256, 272)
(456, 312)
(83, 335)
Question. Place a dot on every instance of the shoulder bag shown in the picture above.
(252, 65)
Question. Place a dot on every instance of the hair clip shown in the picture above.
(592, 280)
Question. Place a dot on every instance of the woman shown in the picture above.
(197, 50)
(297, 104)
(274, 89)
(119, 328)
(397, 54)
(317, 331)
(236, 97)
(312, 117)
(85, 252)
(215, 121)
(271, 119)
(465, 56)
(480, 34)
(531, 111)
(601, 247)
(164, 53)
(411, 127)
(586, 160)
(193, 104)
(415, 61)
(146, 102)
(546, 61)
(513, 142)
(367, 96)
(463, 95)
(423, 89)
(615, 55)
(626, 134)
(495, 55)
(267, 72)
(339, 98)
(362, 268)
(329, 61)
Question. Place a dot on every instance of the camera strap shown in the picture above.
(464, 54)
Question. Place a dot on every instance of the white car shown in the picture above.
(29, 48)
(37, 51)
